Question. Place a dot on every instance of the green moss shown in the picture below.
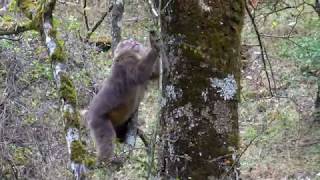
(80, 155)
(27, 7)
(78, 152)
(56, 22)
(68, 93)
(67, 90)
(21, 155)
(12, 5)
(59, 54)
(72, 120)
(90, 161)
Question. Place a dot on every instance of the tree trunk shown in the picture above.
(199, 133)
(117, 13)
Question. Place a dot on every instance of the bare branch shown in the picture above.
(99, 22)
(262, 49)
(85, 14)
(153, 10)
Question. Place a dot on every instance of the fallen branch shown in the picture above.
(17, 29)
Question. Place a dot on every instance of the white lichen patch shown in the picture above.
(163, 102)
(60, 68)
(185, 110)
(72, 135)
(227, 87)
(67, 108)
(172, 92)
(204, 6)
(78, 169)
(51, 45)
(204, 95)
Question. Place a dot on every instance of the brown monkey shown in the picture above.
(111, 109)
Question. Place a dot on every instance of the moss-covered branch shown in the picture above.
(41, 20)
(28, 8)
(13, 29)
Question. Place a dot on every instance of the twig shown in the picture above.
(85, 14)
(271, 69)
(99, 22)
(260, 45)
(153, 11)
(296, 21)
(151, 159)
(11, 39)
(286, 37)
(165, 7)
(245, 149)
(283, 9)
(13, 168)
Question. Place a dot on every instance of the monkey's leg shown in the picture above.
(104, 135)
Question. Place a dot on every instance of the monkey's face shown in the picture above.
(131, 46)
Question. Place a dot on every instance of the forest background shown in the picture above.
(279, 128)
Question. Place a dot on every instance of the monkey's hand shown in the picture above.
(154, 40)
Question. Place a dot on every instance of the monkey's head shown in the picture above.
(130, 46)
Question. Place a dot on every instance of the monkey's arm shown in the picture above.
(146, 67)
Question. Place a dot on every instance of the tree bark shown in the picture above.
(116, 13)
(199, 116)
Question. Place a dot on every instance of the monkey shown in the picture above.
(112, 108)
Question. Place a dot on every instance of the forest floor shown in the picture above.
(284, 139)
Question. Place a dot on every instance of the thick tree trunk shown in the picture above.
(199, 121)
